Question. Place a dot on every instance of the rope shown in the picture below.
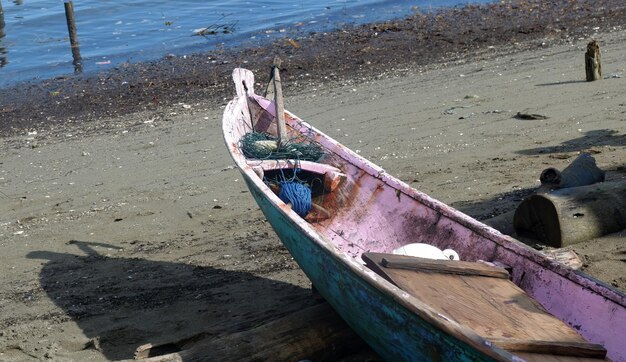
(298, 195)
(270, 83)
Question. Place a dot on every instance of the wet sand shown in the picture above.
(123, 222)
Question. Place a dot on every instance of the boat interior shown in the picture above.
(473, 293)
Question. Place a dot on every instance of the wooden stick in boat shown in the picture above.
(319, 213)
(280, 106)
(574, 349)
(443, 266)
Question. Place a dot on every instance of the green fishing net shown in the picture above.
(300, 148)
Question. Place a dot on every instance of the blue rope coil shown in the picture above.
(298, 195)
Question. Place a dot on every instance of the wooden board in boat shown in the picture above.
(476, 296)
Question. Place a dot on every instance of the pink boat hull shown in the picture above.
(375, 212)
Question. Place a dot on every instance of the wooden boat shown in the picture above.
(503, 301)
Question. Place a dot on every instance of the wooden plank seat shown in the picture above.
(443, 266)
(333, 176)
(482, 298)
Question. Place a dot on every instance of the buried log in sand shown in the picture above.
(580, 172)
(572, 215)
(316, 333)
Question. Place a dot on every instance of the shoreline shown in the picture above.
(424, 41)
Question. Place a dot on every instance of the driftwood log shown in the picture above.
(316, 333)
(582, 171)
(503, 223)
(593, 67)
(572, 215)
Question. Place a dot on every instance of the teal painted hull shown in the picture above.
(394, 332)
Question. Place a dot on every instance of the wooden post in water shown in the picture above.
(3, 50)
(1, 19)
(593, 68)
(71, 28)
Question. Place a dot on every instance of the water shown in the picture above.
(34, 42)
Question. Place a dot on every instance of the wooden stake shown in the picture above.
(1, 20)
(280, 107)
(593, 68)
(71, 28)
(3, 51)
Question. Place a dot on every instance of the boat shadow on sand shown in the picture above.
(122, 303)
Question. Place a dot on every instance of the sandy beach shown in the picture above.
(118, 230)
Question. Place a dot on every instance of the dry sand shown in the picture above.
(141, 230)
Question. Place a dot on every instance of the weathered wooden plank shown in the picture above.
(494, 308)
(315, 333)
(442, 266)
(574, 349)
(333, 177)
